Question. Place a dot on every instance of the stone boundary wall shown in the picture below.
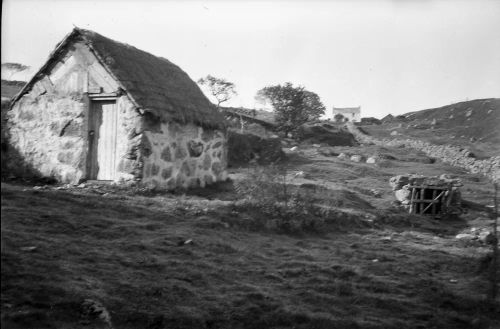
(451, 154)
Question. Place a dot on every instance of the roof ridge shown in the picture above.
(141, 75)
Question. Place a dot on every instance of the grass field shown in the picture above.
(102, 257)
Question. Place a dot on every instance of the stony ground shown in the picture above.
(102, 257)
(471, 124)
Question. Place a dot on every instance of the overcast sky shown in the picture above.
(387, 56)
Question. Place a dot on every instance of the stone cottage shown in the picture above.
(103, 110)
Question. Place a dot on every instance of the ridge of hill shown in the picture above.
(473, 124)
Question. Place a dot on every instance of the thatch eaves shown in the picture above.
(154, 84)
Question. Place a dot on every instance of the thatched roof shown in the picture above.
(153, 83)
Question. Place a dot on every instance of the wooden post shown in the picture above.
(433, 211)
(422, 197)
(412, 205)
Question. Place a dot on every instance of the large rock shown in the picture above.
(397, 182)
(326, 133)
(487, 237)
(243, 148)
(403, 196)
(465, 237)
(343, 156)
(357, 158)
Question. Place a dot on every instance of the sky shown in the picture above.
(385, 56)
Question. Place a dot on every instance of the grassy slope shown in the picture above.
(454, 126)
(379, 270)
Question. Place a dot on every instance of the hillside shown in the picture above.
(108, 257)
(473, 124)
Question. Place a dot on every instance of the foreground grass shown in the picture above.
(133, 256)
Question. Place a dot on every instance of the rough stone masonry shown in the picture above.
(401, 185)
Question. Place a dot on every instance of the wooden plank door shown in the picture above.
(103, 125)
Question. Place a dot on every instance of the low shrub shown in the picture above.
(286, 207)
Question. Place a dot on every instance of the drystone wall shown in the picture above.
(451, 154)
(183, 156)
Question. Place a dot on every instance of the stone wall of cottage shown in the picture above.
(48, 126)
(183, 156)
(48, 137)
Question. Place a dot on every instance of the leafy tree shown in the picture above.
(221, 89)
(12, 68)
(293, 106)
(339, 118)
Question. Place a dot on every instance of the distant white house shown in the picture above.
(352, 114)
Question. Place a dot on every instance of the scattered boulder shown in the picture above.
(403, 196)
(324, 133)
(482, 235)
(357, 158)
(343, 156)
(29, 249)
(300, 174)
(243, 148)
(450, 179)
(487, 237)
(465, 237)
(397, 182)
(93, 310)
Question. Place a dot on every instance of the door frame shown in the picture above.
(92, 99)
